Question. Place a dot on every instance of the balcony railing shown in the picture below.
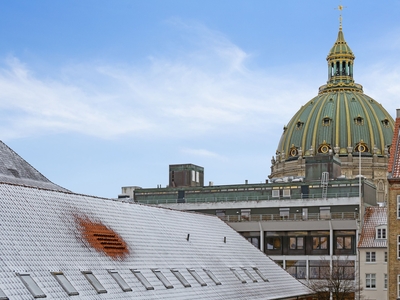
(239, 198)
(291, 217)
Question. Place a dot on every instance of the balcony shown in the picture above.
(291, 217)
(238, 198)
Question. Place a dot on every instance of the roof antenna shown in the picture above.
(188, 236)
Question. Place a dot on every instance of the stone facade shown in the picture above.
(393, 236)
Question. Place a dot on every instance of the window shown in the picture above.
(319, 269)
(247, 272)
(212, 276)
(385, 256)
(385, 281)
(370, 256)
(255, 241)
(180, 277)
(398, 286)
(343, 242)
(359, 120)
(64, 282)
(3, 296)
(299, 124)
(381, 233)
(398, 206)
(296, 268)
(286, 193)
(320, 243)
(238, 276)
(344, 269)
(31, 285)
(274, 243)
(94, 282)
(163, 279)
(275, 193)
(296, 242)
(326, 121)
(121, 282)
(398, 247)
(385, 122)
(259, 273)
(193, 175)
(370, 280)
(197, 277)
(142, 279)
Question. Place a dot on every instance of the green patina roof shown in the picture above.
(340, 47)
(341, 116)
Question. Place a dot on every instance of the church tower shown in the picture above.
(341, 121)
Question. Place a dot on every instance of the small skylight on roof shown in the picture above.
(212, 277)
(142, 279)
(249, 274)
(94, 282)
(3, 296)
(197, 277)
(259, 273)
(121, 282)
(163, 279)
(31, 285)
(65, 284)
(234, 271)
(180, 277)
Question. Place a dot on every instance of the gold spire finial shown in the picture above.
(340, 8)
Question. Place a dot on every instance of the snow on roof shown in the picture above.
(374, 218)
(14, 169)
(60, 245)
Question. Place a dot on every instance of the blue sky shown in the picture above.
(97, 95)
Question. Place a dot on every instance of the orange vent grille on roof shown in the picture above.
(103, 239)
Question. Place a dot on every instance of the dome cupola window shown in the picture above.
(385, 122)
(299, 125)
(326, 121)
(359, 120)
(361, 147)
(324, 148)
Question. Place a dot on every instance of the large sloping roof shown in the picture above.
(394, 159)
(374, 216)
(14, 169)
(44, 231)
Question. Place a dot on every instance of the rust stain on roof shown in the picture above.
(102, 238)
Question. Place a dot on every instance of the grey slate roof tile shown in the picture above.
(41, 235)
(14, 169)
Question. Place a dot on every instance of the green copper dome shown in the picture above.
(341, 119)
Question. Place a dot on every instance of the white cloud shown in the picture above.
(200, 152)
(208, 86)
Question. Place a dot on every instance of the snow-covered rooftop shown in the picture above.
(59, 245)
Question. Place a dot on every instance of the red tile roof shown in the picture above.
(374, 216)
(394, 159)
